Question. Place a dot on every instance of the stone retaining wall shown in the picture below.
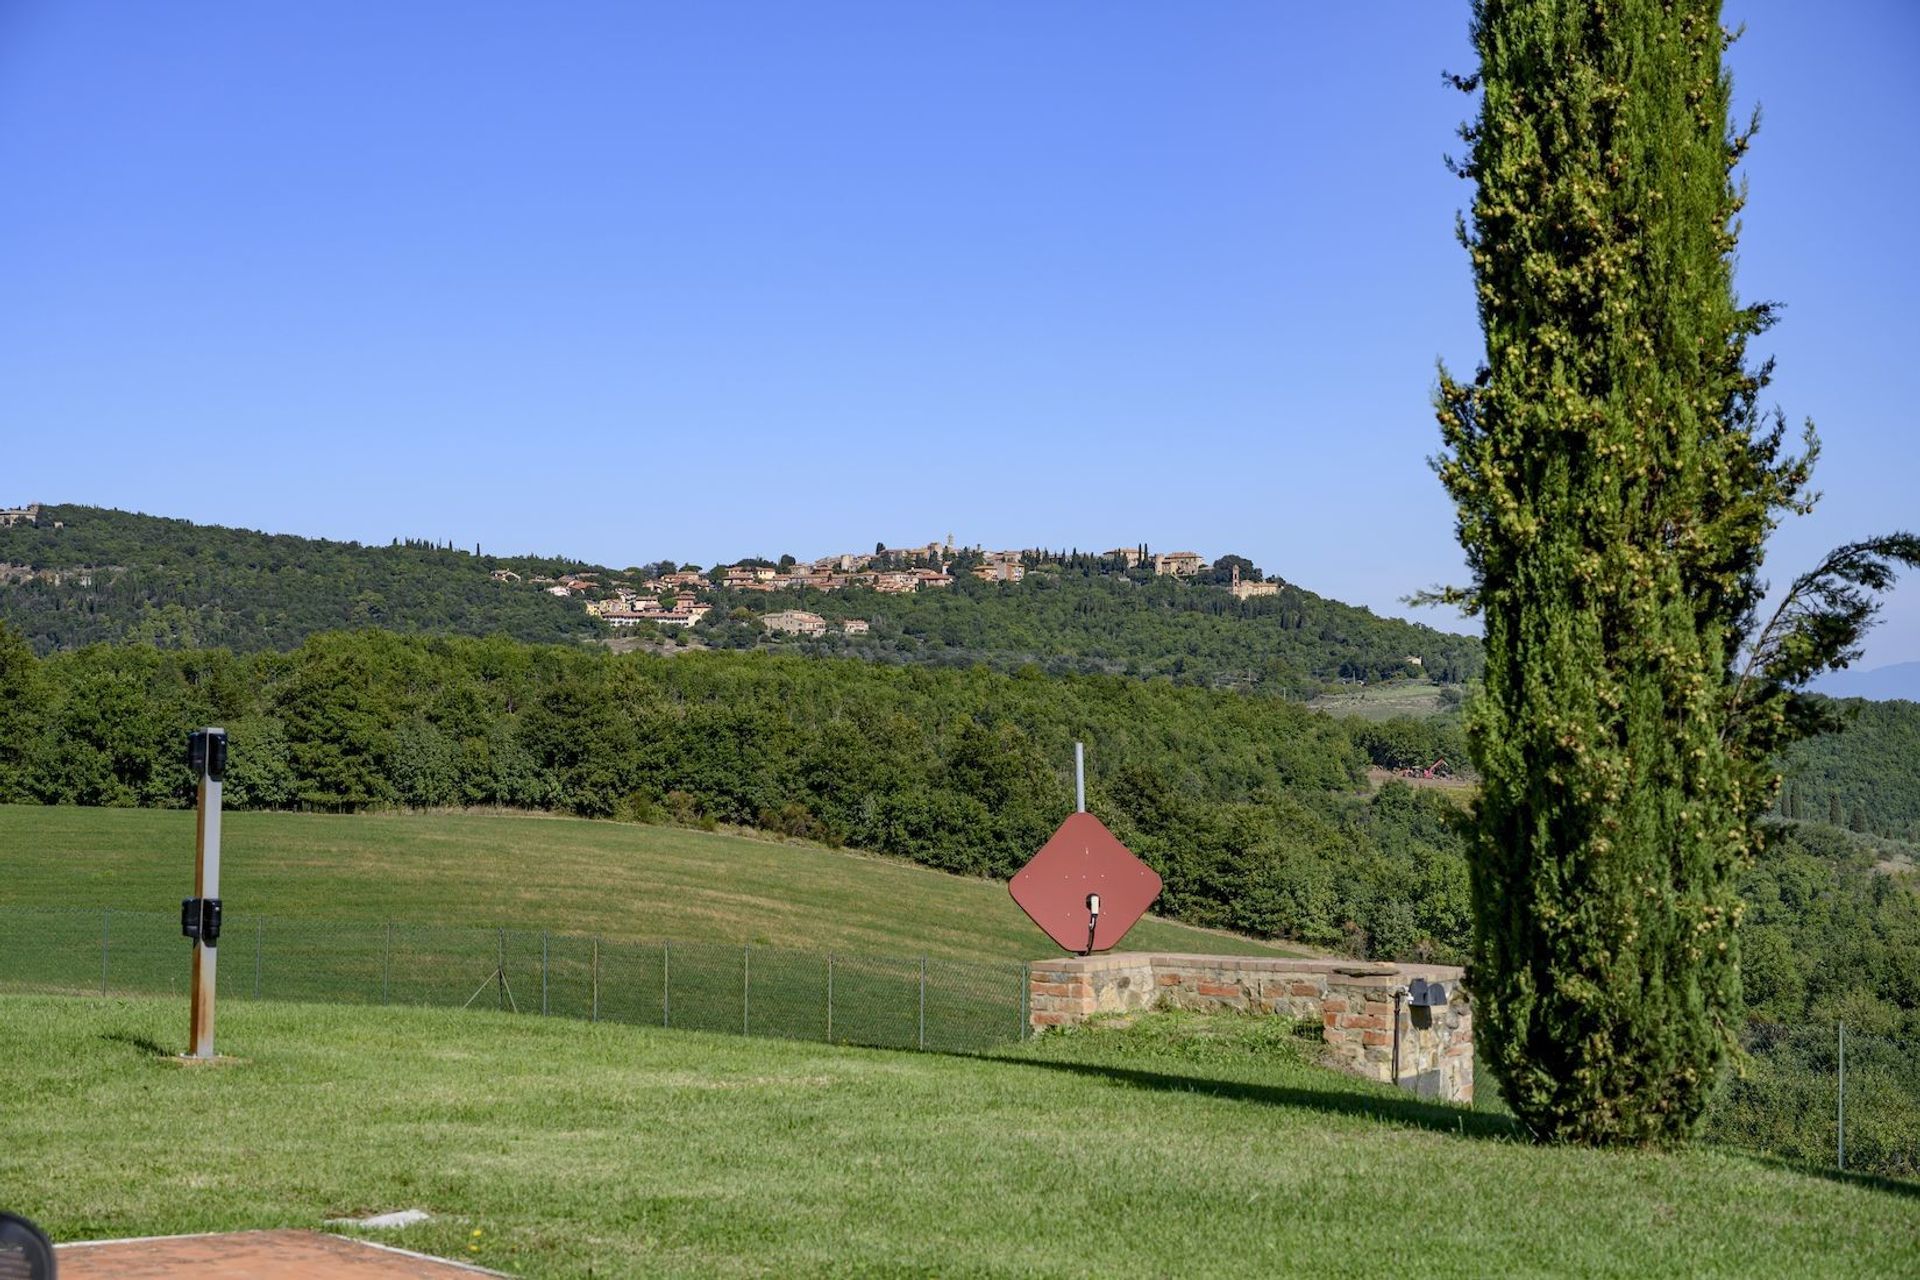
(1368, 1012)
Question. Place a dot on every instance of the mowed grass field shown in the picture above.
(1384, 701)
(619, 881)
(1178, 1147)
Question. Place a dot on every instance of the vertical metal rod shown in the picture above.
(106, 945)
(1399, 997)
(543, 972)
(666, 984)
(923, 1002)
(500, 970)
(259, 929)
(1026, 984)
(596, 978)
(746, 983)
(1843, 1097)
(1079, 778)
(206, 884)
(829, 997)
(386, 965)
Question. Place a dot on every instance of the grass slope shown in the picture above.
(617, 880)
(555, 1148)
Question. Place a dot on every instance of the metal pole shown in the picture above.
(923, 1002)
(386, 965)
(543, 973)
(1079, 778)
(596, 978)
(500, 970)
(106, 946)
(746, 983)
(259, 928)
(666, 984)
(829, 997)
(1026, 982)
(1843, 1096)
(206, 884)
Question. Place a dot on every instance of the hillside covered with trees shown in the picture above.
(1866, 778)
(108, 575)
(1070, 615)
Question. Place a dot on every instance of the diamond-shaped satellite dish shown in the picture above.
(1084, 859)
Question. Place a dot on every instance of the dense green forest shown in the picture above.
(1078, 617)
(1253, 809)
(114, 575)
(1866, 779)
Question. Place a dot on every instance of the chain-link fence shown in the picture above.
(902, 1002)
(1825, 1095)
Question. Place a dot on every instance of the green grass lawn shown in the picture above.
(1181, 1147)
(616, 880)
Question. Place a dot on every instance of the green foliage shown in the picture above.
(1081, 617)
(1866, 776)
(1406, 742)
(114, 575)
(1616, 482)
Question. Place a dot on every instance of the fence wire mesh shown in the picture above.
(901, 1003)
(1825, 1095)
(1819, 1095)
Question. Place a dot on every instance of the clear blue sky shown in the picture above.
(631, 280)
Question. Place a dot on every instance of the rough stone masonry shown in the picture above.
(1369, 1013)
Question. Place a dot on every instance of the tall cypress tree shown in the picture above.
(1616, 481)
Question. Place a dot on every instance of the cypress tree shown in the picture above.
(1615, 481)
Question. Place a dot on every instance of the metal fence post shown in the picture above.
(544, 936)
(746, 984)
(259, 932)
(923, 1002)
(1842, 1118)
(106, 945)
(1026, 990)
(596, 978)
(829, 997)
(666, 984)
(386, 965)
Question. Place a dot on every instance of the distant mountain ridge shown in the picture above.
(1900, 680)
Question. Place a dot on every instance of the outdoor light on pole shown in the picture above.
(200, 914)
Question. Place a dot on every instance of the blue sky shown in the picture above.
(632, 280)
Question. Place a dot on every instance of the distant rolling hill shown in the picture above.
(106, 575)
(616, 880)
(1901, 680)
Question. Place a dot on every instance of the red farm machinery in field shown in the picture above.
(1438, 769)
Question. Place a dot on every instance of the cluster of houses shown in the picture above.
(832, 574)
(673, 599)
(798, 622)
(29, 515)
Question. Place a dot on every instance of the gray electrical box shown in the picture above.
(1425, 994)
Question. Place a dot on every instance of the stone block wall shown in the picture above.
(1367, 1015)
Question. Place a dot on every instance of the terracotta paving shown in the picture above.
(254, 1255)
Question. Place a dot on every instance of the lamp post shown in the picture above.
(200, 914)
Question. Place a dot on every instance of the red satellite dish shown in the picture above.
(1084, 864)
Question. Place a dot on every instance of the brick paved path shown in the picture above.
(253, 1255)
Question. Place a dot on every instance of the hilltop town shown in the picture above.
(680, 597)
